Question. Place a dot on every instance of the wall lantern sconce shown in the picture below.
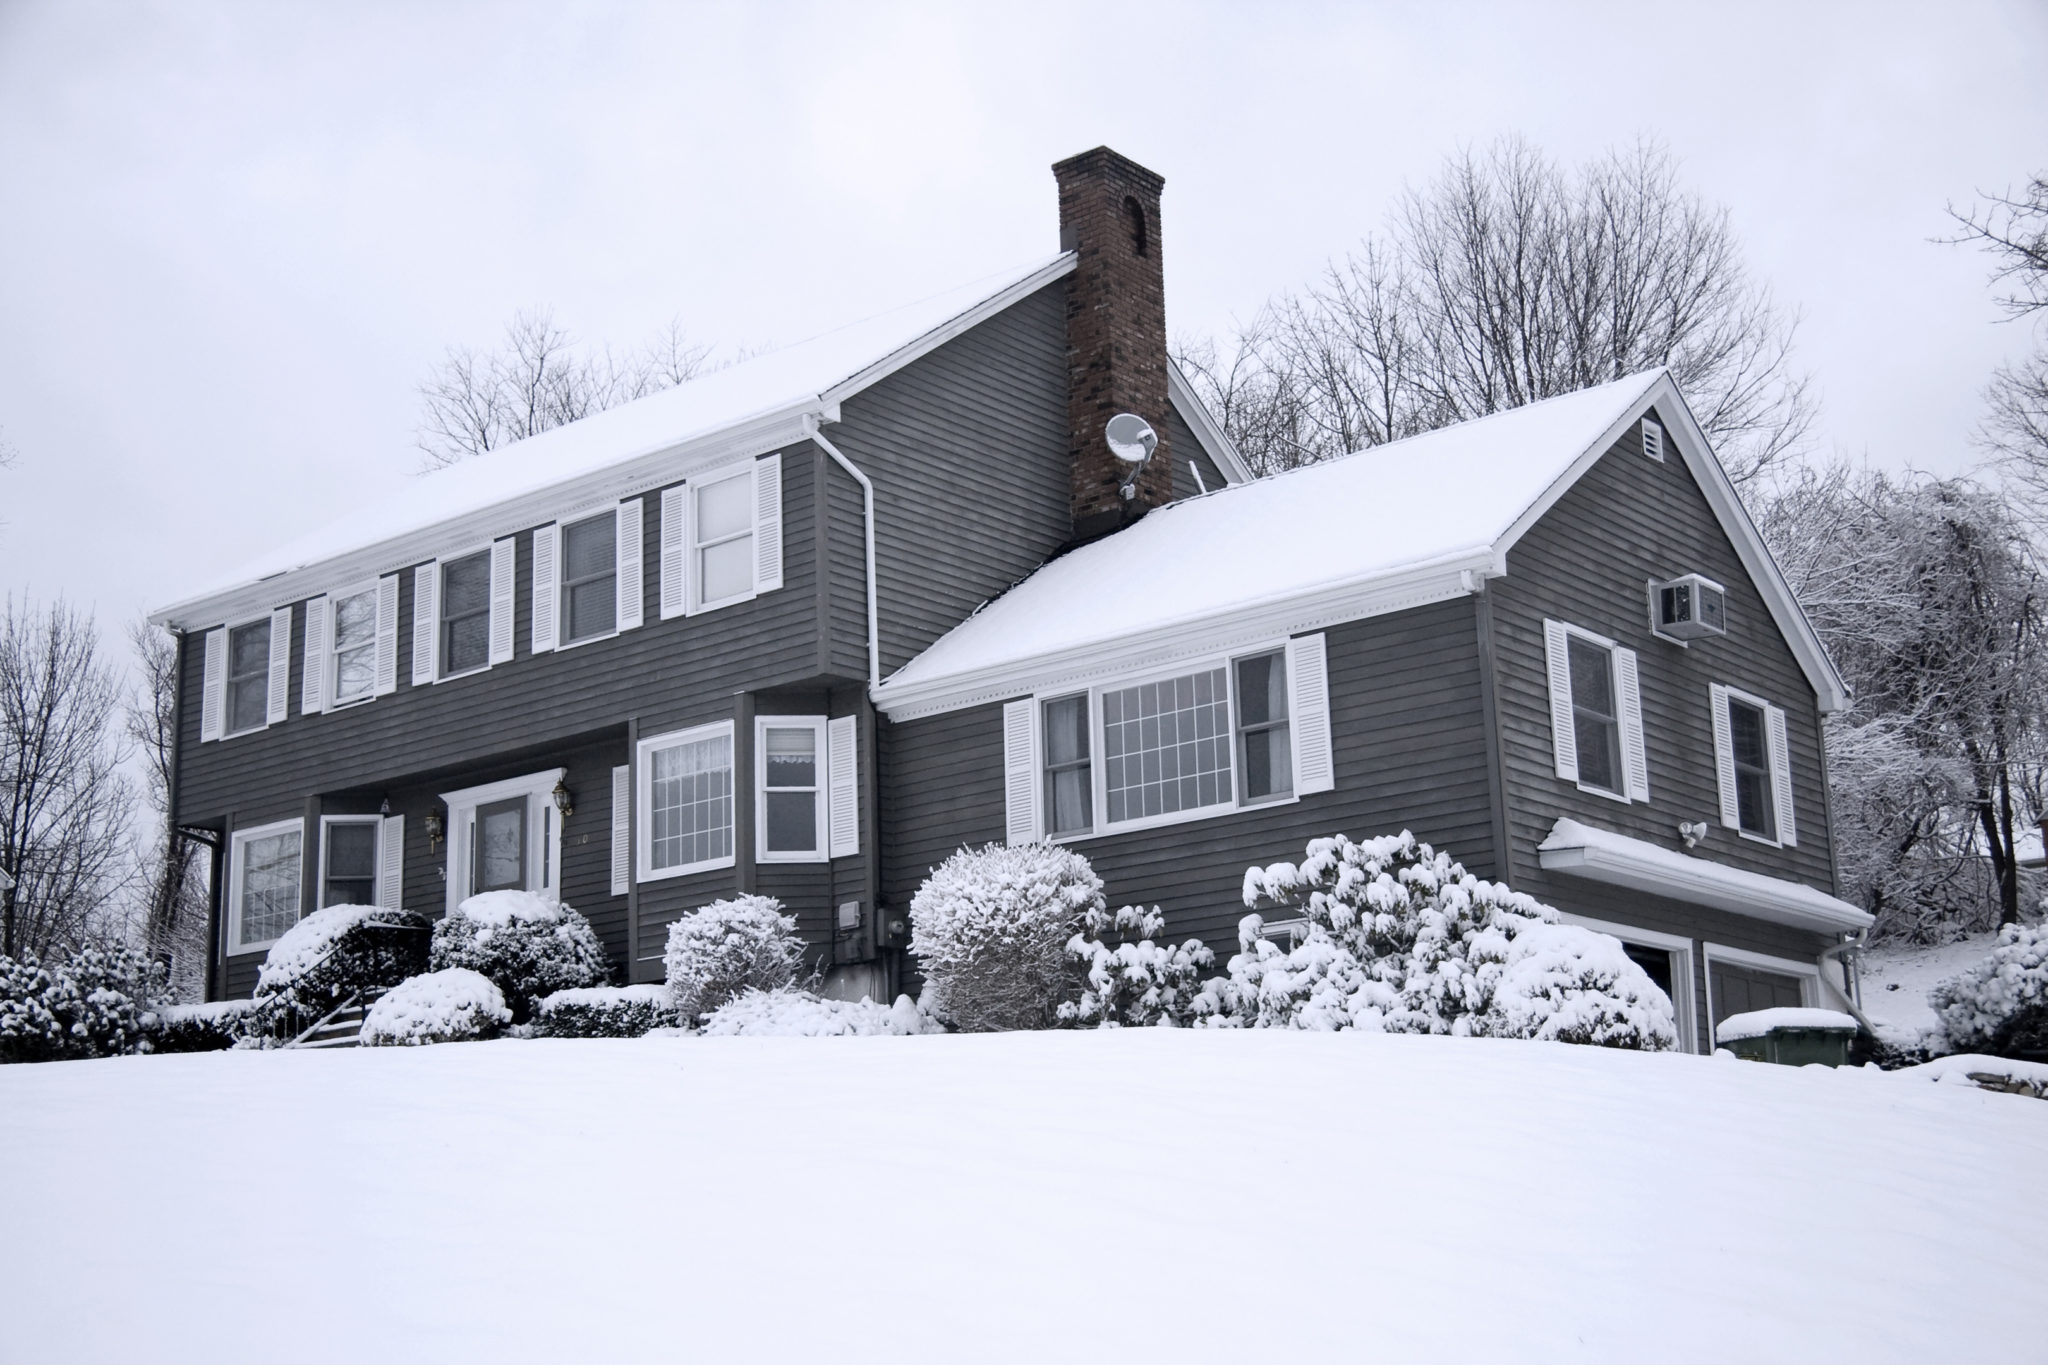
(384, 808)
(562, 800)
(433, 824)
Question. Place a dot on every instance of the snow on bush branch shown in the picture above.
(2000, 1006)
(529, 947)
(455, 1005)
(990, 928)
(1138, 982)
(1401, 939)
(727, 948)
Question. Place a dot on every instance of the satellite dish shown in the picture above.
(1131, 438)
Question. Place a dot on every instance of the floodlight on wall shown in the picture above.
(1132, 440)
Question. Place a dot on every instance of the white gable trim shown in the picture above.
(1207, 429)
(1683, 431)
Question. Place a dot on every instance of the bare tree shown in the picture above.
(63, 804)
(538, 380)
(2014, 229)
(172, 877)
(1505, 281)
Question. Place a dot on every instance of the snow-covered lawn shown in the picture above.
(1135, 1196)
(1897, 977)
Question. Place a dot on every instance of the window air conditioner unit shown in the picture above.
(1688, 608)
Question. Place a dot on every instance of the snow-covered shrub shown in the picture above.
(604, 1012)
(990, 929)
(729, 947)
(1401, 939)
(92, 1003)
(342, 951)
(2000, 1006)
(198, 1028)
(1137, 982)
(454, 1005)
(530, 946)
(799, 1014)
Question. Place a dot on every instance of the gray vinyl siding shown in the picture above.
(1183, 446)
(1407, 738)
(1588, 561)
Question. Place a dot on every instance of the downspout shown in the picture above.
(867, 500)
(1833, 955)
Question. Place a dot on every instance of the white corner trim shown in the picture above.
(1603, 856)
(1199, 637)
(1207, 429)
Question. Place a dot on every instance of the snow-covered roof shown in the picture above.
(1390, 527)
(746, 408)
(1603, 856)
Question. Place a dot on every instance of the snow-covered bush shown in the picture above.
(455, 1005)
(1401, 939)
(198, 1028)
(2000, 1006)
(342, 951)
(799, 1014)
(1137, 982)
(604, 1012)
(728, 947)
(530, 946)
(92, 1003)
(990, 929)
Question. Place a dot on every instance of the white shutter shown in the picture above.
(503, 556)
(1781, 775)
(213, 689)
(675, 557)
(1020, 771)
(426, 616)
(1724, 756)
(546, 586)
(768, 523)
(1308, 682)
(313, 686)
(391, 862)
(843, 774)
(387, 635)
(622, 829)
(1564, 731)
(1634, 760)
(632, 592)
(278, 698)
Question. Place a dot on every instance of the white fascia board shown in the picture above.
(1698, 454)
(961, 323)
(1218, 633)
(1207, 429)
(636, 472)
(1617, 860)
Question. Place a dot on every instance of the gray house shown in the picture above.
(807, 625)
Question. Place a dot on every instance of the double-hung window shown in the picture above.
(1596, 719)
(1069, 781)
(248, 676)
(686, 801)
(590, 578)
(723, 538)
(348, 860)
(791, 763)
(465, 613)
(1753, 765)
(355, 647)
(264, 884)
(1596, 713)
(1265, 751)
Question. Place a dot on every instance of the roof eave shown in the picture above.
(1697, 881)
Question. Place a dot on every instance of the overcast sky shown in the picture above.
(233, 239)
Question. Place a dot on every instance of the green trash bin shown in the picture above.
(1788, 1037)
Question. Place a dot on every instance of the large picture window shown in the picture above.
(686, 796)
(724, 539)
(1166, 746)
(355, 647)
(590, 575)
(265, 884)
(248, 677)
(466, 613)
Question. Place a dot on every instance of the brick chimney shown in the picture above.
(1116, 332)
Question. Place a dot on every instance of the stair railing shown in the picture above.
(292, 1016)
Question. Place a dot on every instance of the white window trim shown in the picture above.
(333, 659)
(1098, 768)
(1614, 686)
(1737, 694)
(739, 469)
(817, 725)
(643, 801)
(441, 674)
(327, 822)
(543, 854)
(227, 663)
(561, 585)
(1682, 1004)
(1807, 972)
(241, 838)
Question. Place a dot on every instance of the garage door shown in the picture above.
(1738, 990)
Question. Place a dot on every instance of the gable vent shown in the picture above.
(1653, 440)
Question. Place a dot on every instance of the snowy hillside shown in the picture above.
(1144, 1195)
